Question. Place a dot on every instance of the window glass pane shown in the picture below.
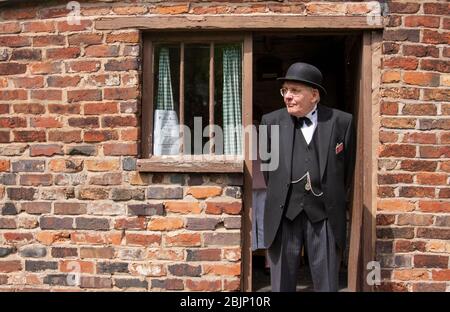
(196, 95)
(166, 99)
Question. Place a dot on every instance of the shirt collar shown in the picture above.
(313, 113)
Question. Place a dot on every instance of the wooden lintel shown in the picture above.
(241, 22)
(157, 164)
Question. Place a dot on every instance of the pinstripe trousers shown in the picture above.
(285, 252)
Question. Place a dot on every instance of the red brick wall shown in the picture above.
(413, 217)
(70, 196)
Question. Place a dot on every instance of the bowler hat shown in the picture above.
(305, 73)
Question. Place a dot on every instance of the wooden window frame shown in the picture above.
(189, 163)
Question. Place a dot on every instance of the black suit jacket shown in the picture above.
(336, 167)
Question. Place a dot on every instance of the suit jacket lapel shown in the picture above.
(324, 130)
(287, 139)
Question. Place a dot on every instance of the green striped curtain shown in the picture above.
(232, 117)
(164, 99)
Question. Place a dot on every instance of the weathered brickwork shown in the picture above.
(71, 199)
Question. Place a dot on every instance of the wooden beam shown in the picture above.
(147, 99)
(189, 164)
(247, 114)
(240, 22)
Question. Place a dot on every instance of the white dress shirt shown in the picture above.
(308, 131)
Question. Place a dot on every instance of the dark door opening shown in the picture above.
(338, 58)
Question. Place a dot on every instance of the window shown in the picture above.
(193, 98)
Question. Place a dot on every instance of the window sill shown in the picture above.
(201, 163)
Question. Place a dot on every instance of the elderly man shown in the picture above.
(307, 194)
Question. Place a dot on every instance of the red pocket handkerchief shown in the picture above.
(339, 147)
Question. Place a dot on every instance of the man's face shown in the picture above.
(299, 98)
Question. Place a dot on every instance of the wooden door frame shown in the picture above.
(365, 176)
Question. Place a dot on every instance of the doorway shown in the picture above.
(338, 56)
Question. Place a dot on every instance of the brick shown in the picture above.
(7, 223)
(95, 282)
(222, 269)
(45, 122)
(390, 48)
(63, 53)
(83, 150)
(414, 219)
(57, 279)
(127, 37)
(419, 109)
(221, 239)
(422, 21)
(201, 192)
(21, 193)
(40, 265)
(401, 62)
(232, 285)
(159, 192)
(413, 191)
(47, 94)
(6, 251)
(29, 82)
(35, 109)
(185, 270)
(48, 237)
(119, 194)
(183, 239)
(435, 37)
(63, 81)
(36, 207)
(64, 26)
(36, 179)
(219, 207)
(112, 267)
(121, 93)
(8, 95)
(64, 252)
(432, 178)
(10, 266)
(102, 165)
(33, 251)
(143, 239)
(232, 222)
(8, 209)
(404, 7)
(165, 224)
(84, 95)
(442, 221)
(106, 179)
(409, 246)
(76, 266)
(390, 76)
(421, 50)
(395, 178)
(13, 122)
(209, 254)
(390, 233)
(131, 254)
(85, 39)
(397, 150)
(13, 237)
(434, 151)
(100, 135)
(149, 209)
(418, 165)
(430, 261)
(148, 269)
(48, 40)
(203, 285)
(137, 223)
(100, 108)
(53, 223)
(182, 207)
(120, 149)
(130, 10)
(96, 224)
(412, 35)
(64, 136)
(119, 121)
(66, 165)
(82, 66)
(411, 274)
(129, 134)
(429, 287)
(15, 41)
(68, 208)
(84, 122)
(9, 28)
(93, 193)
(45, 150)
(441, 275)
(130, 283)
(421, 79)
(434, 233)
(38, 26)
(102, 51)
(196, 224)
(428, 124)
(97, 252)
(4, 165)
(384, 220)
(435, 65)
(7, 179)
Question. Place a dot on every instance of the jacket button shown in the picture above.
(281, 206)
(287, 184)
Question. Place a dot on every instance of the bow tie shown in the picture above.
(303, 120)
